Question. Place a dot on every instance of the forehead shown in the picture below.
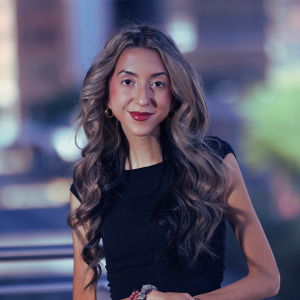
(141, 59)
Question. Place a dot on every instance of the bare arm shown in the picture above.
(80, 267)
(263, 279)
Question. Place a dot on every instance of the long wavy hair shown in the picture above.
(193, 176)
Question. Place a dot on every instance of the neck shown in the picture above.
(144, 150)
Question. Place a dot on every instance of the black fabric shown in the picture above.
(131, 240)
(74, 191)
(220, 146)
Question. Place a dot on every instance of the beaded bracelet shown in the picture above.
(134, 295)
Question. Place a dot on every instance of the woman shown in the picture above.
(153, 186)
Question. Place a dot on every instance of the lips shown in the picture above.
(140, 116)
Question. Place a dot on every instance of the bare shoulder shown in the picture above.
(239, 205)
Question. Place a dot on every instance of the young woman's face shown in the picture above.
(140, 91)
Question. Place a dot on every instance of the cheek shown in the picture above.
(166, 99)
(117, 96)
(114, 92)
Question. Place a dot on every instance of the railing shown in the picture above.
(36, 253)
(19, 257)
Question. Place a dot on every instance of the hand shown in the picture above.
(156, 295)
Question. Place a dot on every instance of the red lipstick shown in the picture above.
(140, 116)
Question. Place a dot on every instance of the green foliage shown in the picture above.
(271, 110)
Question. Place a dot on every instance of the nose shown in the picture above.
(142, 96)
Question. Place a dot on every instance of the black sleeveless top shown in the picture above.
(131, 239)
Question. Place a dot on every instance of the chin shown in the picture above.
(141, 129)
(141, 132)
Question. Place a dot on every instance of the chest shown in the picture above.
(131, 237)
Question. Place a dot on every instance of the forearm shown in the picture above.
(252, 287)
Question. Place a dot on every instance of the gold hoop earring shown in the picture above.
(173, 112)
(107, 114)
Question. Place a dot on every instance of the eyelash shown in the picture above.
(154, 82)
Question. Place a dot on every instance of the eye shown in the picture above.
(127, 81)
(160, 84)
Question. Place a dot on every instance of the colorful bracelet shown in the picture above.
(134, 295)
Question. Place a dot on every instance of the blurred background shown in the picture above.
(248, 54)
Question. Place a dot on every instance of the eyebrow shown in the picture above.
(136, 75)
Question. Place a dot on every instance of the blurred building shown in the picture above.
(55, 40)
(42, 40)
(228, 37)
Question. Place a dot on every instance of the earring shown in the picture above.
(173, 113)
(107, 114)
